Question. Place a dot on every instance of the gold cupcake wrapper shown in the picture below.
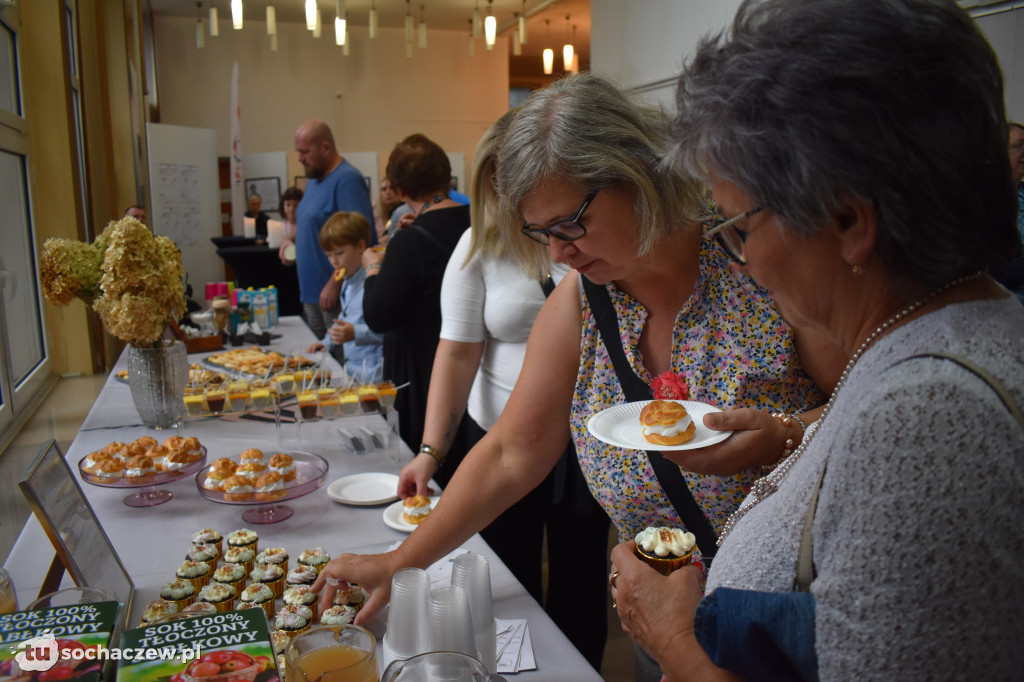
(252, 545)
(292, 634)
(277, 586)
(199, 582)
(267, 606)
(223, 606)
(236, 585)
(666, 565)
(181, 603)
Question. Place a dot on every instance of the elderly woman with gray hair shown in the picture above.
(862, 147)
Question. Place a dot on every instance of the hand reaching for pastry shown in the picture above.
(414, 477)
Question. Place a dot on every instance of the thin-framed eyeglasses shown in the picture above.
(566, 230)
(729, 237)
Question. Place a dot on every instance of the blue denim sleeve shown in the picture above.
(759, 635)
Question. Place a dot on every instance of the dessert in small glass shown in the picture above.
(307, 405)
(349, 402)
(263, 395)
(238, 395)
(216, 399)
(285, 383)
(387, 392)
(368, 398)
(329, 407)
(195, 400)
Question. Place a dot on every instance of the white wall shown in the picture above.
(643, 45)
(1005, 32)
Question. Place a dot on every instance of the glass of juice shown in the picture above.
(328, 398)
(332, 653)
(368, 398)
(216, 399)
(307, 405)
(386, 391)
(8, 597)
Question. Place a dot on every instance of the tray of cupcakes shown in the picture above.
(143, 462)
(253, 478)
(225, 572)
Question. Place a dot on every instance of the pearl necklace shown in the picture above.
(765, 486)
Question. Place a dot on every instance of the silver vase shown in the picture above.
(157, 378)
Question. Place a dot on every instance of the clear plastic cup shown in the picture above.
(407, 615)
(349, 401)
(435, 666)
(451, 625)
(70, 597)
(471, 572)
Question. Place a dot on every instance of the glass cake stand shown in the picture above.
(310, 473)
(146, 494)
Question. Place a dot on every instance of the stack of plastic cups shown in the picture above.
(471, 572)
(451, 624)
(406, 634)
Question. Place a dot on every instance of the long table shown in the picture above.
(152, 542)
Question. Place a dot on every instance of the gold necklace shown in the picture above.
(765, 486)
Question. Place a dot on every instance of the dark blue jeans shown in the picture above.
(759, 635)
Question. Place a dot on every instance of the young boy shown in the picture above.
(344, 238)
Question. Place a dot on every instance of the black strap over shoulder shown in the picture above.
(636, 389)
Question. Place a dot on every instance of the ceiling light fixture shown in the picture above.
(318, 27)
(200, 34)
(408, 23)
(567, 48)
(490, 27)
(273, 43)
(476, 20)
(469, 43)
(271, 20)
(423, 30)
(374, 20)
(339, 22)
(346, 48)
(549, 54)
(214, 23)
(310, 15)
(517, 44)
(522, 25)
(236, 14)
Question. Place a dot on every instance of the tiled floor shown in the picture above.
(60, 416)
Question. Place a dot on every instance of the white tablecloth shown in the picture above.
(152, 542)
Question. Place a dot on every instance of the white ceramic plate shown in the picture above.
(620, 426)
(364, 490)
(393, 516)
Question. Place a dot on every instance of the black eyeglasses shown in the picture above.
(729, 237)
(566, 230)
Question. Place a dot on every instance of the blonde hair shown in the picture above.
(485, 236)
(344, 227)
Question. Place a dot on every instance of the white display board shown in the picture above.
(185, 196)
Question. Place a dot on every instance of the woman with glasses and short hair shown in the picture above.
(580, 173)
(816, 123)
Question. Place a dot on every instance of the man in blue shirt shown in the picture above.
(334, 185)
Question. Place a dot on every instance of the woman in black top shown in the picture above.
(402, 296)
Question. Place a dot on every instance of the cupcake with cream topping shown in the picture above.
(158, 609)
(200, 608)
(196, 572)
(270, 575)
(293, 620)
(338, 615)
(260, 595)
(243, 537)
(181, 593)
(352, 595)
(665, 549)
(232, 575)
(301, 575)
(221, 596)
(314, 558)
(300, 595)
(274, 555)
(242, 556)
(208, 536)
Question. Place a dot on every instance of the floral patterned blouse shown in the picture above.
(734, 350)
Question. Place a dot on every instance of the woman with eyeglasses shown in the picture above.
(580, 175)
(817, 121)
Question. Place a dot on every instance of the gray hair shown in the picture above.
(897, 102)
(585, 131)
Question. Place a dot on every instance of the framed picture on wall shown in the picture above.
(300, 182)
(269, 190)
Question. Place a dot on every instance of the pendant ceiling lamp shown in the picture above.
(200, 34)
(549, 54)
(374, 20)
(422, 30)
(522, 25)
(408, 24)
(517, 44)
(470, 47)
(310, 15)
(271, 20)
(214, 22)
(339, 22)
(318, 26)
(346, 48)
(236, 14)
(477, 23)
(567, 50)
(490, 27)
